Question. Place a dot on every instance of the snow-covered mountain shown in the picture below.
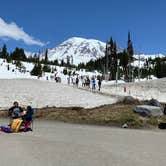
(78, 50)
(146, 56)
(143, 57)
(29, 54)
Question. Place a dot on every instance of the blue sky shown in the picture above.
(40, 24)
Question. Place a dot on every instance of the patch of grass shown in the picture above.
(131, 119)
(110, 115)
(153, 122)
(3, 114)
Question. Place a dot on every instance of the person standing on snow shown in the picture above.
(99, 83)
(77, 81)
(68, 80)
(93, 83)
(88, 82)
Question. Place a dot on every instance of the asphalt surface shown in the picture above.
(61, 144)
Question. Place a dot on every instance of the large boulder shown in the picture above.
(154, 102)
(130, 100)
(162, 125)
(149, 111)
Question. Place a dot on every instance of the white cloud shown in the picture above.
(11, 30)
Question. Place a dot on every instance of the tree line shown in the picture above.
(121, 62)
(42, 64)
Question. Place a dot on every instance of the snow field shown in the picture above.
(40, 93)
(143, 90)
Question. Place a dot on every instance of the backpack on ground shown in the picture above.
(16, 124)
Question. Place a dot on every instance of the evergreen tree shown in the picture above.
(112, 59)
(160, 67)
(106, 59)
(37, 70)
(4, 53)
(123, 56)
(110, 52)
(68, 61)
(130, 50)
(130, 53)
(46, 56)
(18, 54)
(56, 62)
(71, 60)
(163, 68)
(46, 68)
(8, 59)
(62, 62)
(19, 65)
(82, 66)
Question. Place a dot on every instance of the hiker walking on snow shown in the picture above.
(77, 81)
(99, 83)
(68, 80)
(88, 82)
(93, 83)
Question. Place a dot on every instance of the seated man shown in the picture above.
(28, 115)
(27, 119)
(15, 111)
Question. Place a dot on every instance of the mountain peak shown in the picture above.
(76, 39)
(80, 49)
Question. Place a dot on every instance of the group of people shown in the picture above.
(16, 112)
(18, 118)
(85, 81)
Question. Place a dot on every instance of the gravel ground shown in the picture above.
(60, 144)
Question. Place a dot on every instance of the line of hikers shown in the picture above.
(85, 81)
(18, 118)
